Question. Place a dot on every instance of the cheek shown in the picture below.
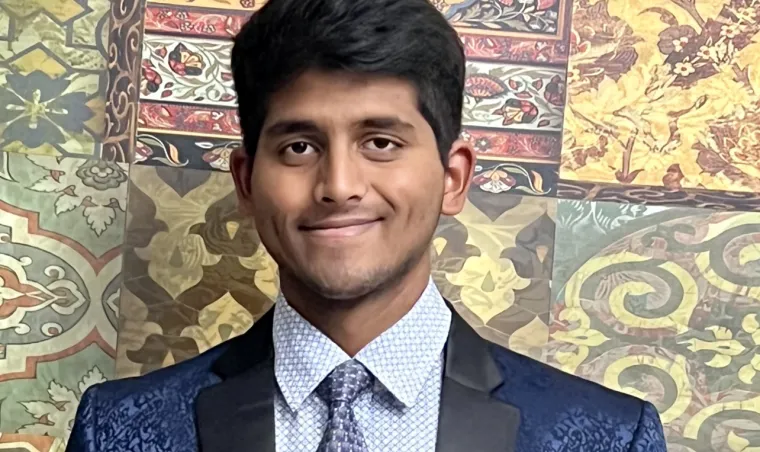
(416, 199)
(278, 201)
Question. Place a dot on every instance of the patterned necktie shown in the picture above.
(339, 390)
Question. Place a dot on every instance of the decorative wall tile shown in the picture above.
(179, 20)
(124, 38)
(515, 50)
(195, 273)
(61, 231)
(710, 199)
(500, 144)
(194, 119)
(537, 179)
(661, 303)
(542, 18)
(53, 77)
(493, 262)
(185, 151)
(189, 21)
(669, 99)
(187, 70)
(509, 96)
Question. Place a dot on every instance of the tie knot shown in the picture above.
(345, 383)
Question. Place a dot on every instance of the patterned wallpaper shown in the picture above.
(613, 229)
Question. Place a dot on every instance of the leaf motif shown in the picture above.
(94, 376)
(60, 393)
(46, 185)
(204, 144)
(538, 181)
(99, 218)
(149, 140)
(173, 154)
(66, 203)
(168, 162)
(543, 123)
(38, 409)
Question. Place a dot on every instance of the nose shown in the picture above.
(341, 179)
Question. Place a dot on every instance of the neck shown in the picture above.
(352, 324)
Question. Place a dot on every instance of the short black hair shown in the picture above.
(408, 39)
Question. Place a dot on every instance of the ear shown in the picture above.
(458, 177)
(241, 166)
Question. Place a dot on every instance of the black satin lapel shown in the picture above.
(470, 418)
(238, 414)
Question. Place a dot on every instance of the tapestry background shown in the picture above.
(613, 229)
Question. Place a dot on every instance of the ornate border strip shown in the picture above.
(659, 196)
(122, 94)
(190, 21)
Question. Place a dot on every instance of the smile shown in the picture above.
(341, 228)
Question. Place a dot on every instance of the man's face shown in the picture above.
(347, 183)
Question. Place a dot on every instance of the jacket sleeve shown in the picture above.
(649, 436)
(82, 438)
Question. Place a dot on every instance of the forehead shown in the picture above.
(340, 97)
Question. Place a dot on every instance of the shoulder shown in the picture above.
(556, 407)
(144, 413)
(526, 375)
(163, 388)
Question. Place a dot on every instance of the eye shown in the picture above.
(299, 148)
(381, 144)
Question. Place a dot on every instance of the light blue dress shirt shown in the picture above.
(399, 414)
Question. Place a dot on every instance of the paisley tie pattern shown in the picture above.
(339, 390)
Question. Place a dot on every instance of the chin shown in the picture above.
(344, 290)
(344, 287)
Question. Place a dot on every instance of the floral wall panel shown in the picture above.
(661, 303)
(664, 96)
(505, 96)
(53, 76)
(195, 271)
(493, 261)
(61, 231)
(515, 89)
(191, 71)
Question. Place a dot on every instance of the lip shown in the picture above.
(341, 227)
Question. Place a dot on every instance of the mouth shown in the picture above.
(340, 227)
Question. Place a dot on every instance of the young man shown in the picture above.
(351, 111)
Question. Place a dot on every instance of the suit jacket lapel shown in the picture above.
(238, 413)
(470, 418)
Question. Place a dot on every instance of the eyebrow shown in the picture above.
(293, 127)
(386, 122)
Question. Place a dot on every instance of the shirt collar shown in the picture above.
(401, 358)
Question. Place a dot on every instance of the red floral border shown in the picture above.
(203, 23)
(514, 145)
(197, 119)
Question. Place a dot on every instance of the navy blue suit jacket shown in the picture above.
(492, 400)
